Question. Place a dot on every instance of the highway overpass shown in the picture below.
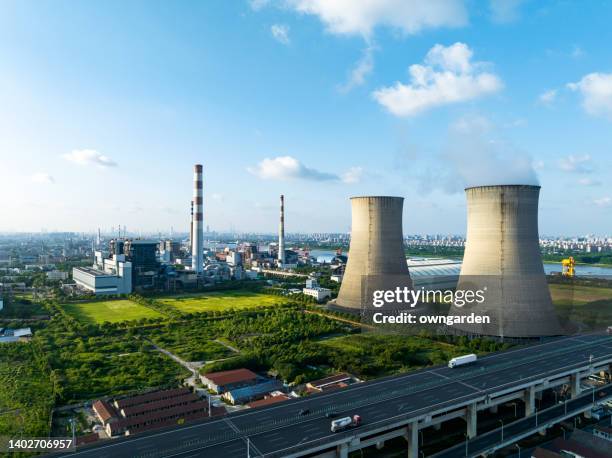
(390, 407)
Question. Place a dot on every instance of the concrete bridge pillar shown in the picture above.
(380, 445)
(493, 409)
(471, 418)
(412, 437)
(529, 398)
(342, 451)
(438, 426)
(575, 385)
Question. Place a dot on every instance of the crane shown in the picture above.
(568, 267)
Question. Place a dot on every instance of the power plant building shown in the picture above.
(502, 258)
(107, 276)
(376, 255)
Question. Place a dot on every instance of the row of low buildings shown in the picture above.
(243, 386)
(153, 410)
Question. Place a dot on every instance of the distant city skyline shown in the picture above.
(106, 108)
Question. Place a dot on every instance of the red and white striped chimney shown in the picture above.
(197, 238)
(281, 233)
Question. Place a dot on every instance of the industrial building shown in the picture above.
(106, 276)
(15, 335)
(317, 292)
(149, 411)
(252, 392)
(502, 257)
(145, 267)
(223, 381)
(376, 251)
(434, 274)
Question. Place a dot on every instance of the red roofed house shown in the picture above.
(223, 381)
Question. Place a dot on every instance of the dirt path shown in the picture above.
(344, 320)
(228, 346)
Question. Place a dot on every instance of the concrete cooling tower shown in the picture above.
(502, 256)
(376, 256)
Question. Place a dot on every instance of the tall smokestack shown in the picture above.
(502, 257)
(197, 236)
(191, 225)
(281, 233)
(376, 258)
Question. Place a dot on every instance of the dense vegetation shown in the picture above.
(91, 361)
(27, 390)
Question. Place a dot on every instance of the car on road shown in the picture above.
(304, 411)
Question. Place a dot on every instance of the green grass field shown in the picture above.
(578, 295)
(587, 307)
(221, 300)
(111, 311)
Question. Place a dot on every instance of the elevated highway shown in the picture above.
(390, 407)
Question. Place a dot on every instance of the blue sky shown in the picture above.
(106, 106)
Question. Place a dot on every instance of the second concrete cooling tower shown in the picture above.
(376, 253)
(502, 256)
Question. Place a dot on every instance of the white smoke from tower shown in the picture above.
(197, 238)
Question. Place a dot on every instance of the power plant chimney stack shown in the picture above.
(376, 258)
(502, 257)
(197, 236)
(281, 233)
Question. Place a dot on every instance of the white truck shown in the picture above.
(462, 360)
(345, 422)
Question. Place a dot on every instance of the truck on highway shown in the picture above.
(462, 360)
(345, 422)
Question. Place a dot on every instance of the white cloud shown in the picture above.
(351, 17)
(362, 69)
(258, 4)
(596, 91)
(504, 11)
(577, 52)
(576, 164)
(548, 97)
(589, 182)
(280, 32)
(89, 157)
(286, 168)
(603, 201)
(217, 196)
(352, 175)
(289, 168)
(447, 76)
(42, 178)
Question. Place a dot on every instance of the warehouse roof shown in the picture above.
(150, 397)
(233, 376)
(104, 410)
(248, 392)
